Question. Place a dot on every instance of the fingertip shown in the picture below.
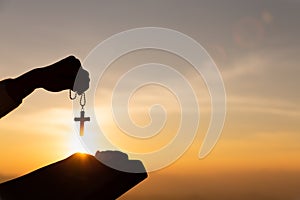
(75, 60)
(71, 57)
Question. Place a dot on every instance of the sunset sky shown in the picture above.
(255, 45)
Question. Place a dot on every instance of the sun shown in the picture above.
(75, 146)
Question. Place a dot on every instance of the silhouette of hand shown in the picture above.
(62, 75)
(79, 177)
(65, 74)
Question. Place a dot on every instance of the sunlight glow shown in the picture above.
(75, 146)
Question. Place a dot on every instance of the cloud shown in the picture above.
(265, 74)
(264, 105)
(50, 121)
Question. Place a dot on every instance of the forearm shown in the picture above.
(13, 91)
(25, 84)
(54, 78)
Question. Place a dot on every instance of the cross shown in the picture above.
(81, 119)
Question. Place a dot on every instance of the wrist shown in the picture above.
(36, 78)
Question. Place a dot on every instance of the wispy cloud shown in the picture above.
(264, 105)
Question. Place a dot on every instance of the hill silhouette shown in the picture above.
(78, 177)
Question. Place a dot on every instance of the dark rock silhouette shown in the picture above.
(78, 177)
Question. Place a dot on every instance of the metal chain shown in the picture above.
(70, 95)
(82, 101)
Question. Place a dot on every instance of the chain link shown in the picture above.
(82, 101)
(70, 95)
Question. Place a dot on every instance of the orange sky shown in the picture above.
(255, 47)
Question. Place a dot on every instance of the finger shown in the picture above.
(82, 81)
(84, 87)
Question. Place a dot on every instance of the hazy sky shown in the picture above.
(254, 43)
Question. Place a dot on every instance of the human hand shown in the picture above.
(64, 74)
(79, 177)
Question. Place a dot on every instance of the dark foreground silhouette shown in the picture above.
(78, 177)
